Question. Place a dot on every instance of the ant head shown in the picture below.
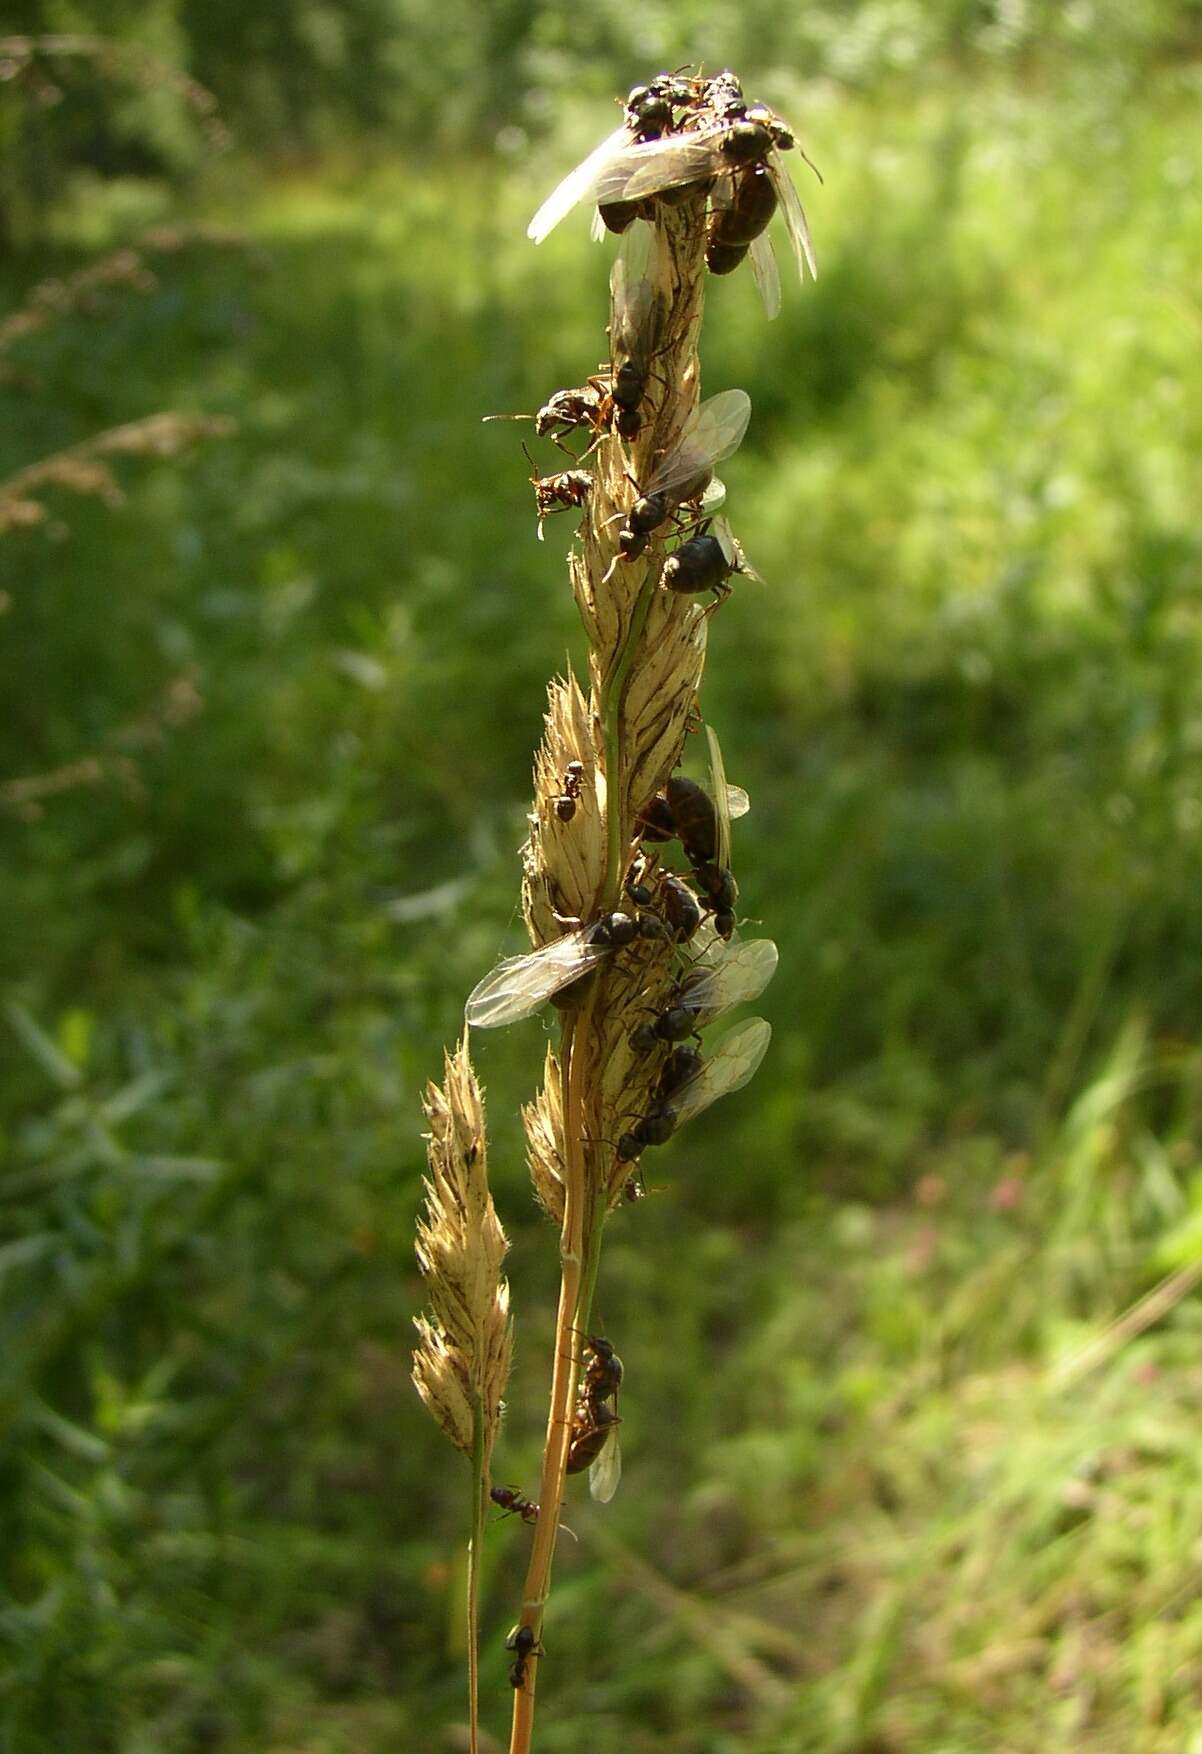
(627, 1147)
(596, 1341)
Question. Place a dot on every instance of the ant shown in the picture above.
(514, 1503)
(523, 1641)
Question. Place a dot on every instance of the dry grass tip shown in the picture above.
(465, 1346)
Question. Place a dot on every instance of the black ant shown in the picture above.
(525, 1644)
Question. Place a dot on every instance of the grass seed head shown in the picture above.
(543, 1121)
(464, 1348)
(563, 862)
(647, 655)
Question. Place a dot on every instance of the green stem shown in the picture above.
(592, 1262)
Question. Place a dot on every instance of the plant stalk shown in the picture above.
(583, 1220)
(632, 739)
(475, 1548)
(563, 1381)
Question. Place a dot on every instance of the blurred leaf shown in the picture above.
(39, 1044)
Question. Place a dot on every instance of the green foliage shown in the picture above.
(878, 1495)
(296, 76)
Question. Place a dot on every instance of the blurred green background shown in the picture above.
(910, 1465)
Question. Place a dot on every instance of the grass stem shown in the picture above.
(475, 1550)
(564, 1372)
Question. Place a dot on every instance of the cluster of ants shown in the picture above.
(704, 560)
(660, 905)
(670, 909)
(705, 129)
(682, 139)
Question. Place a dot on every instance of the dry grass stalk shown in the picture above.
(605, 921)
(82, 468)
(465, 1346)
(647, 653)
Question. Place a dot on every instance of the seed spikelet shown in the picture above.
(543, 1121)
(462, 1360)
(563, 863)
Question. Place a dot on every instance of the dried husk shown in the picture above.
(563, 863)
(543, 1121)
(465, 1345)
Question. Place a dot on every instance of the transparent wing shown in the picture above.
(606, 1471)
(656, 165)
(732, 974)
(723, 193)
(718, 794)
(737, 802)
(763, 266)
(795, 219)
(730, 1066)
(632, 290)
(636, 251)
(519, 985)
(577, 185)
(713, 497)
(733, 554)
(715, 431)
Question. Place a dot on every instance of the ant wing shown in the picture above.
(720, 423)
(577, 184)
(718, 794)
(714, 433)
(795, 219)
(724, 536)
(713, 497)
(763, 266)
(722, 195)
(668, 163)
(632, 290)
(739, 974)
(730, 1066)
(519, 985)
(734, 557)
(606, 1471)
(635, 251)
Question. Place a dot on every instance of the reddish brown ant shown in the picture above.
(513, 1503)
(592, 1426)
(557, 493)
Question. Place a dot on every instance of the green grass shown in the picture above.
(863, 1510)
